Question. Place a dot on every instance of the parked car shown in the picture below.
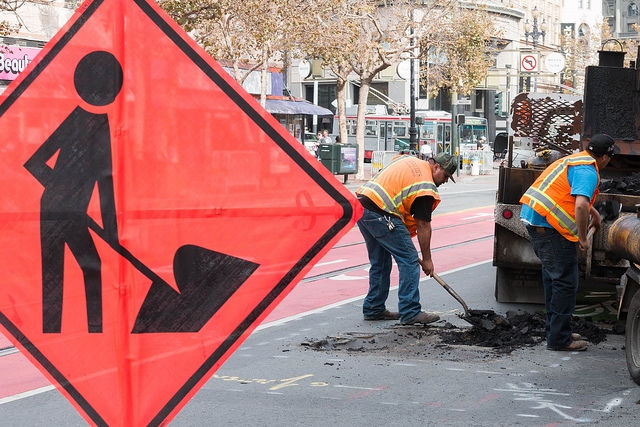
(310, 140)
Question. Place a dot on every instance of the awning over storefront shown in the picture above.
(280, 106)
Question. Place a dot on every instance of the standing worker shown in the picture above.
(555, 210)
(398, 203)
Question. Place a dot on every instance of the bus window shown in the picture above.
(351, 126)
(466, 134)
(427, 131)
(399, 129)
(370, 128)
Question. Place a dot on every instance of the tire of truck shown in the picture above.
(632, 338)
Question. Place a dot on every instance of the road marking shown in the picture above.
(336, 261)
(26, 394)
(345, 277)
(612, 404)
(478, 215)
(7, 351)
(358, 388)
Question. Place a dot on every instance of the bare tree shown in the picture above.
(332, 37)
(365, 37)
(456, 54)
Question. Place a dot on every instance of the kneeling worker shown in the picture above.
(398, 203)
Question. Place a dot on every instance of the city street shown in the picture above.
(313, 361)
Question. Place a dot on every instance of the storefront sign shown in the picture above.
(15, 60)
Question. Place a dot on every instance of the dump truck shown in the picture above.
(545, 127)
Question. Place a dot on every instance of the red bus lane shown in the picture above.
(460, 238)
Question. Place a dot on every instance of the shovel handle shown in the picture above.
(591, 232)
(452, 292)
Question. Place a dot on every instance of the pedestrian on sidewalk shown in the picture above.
(556, 210)
(398, 203)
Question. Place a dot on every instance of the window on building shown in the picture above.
(632, 9)
(583, 30)
(479, 99)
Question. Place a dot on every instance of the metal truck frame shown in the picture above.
(551, 126)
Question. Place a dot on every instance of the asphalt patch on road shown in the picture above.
(494, 336)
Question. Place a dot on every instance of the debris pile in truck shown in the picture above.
(629, 185)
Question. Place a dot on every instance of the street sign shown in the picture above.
(529, 63)
(153, 213)
(404, 69)
(304, 67)
(554, 62)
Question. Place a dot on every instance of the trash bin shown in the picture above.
(339, 158)
(329, 155)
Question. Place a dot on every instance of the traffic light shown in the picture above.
(497, 109)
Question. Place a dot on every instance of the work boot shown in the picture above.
(579, 345)
(576, 337)
(423, 318)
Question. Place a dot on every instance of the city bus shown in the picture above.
(391, 133)
(471, 131)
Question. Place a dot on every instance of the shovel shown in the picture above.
(453, 293)
(479, 318)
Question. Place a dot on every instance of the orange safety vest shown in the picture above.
(396, 186)
(550, 195)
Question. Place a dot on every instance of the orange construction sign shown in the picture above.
(152, 213)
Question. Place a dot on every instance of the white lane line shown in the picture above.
(26, 394)
(478, 215)
(345, 277)
(337, 261)
(357, 388)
